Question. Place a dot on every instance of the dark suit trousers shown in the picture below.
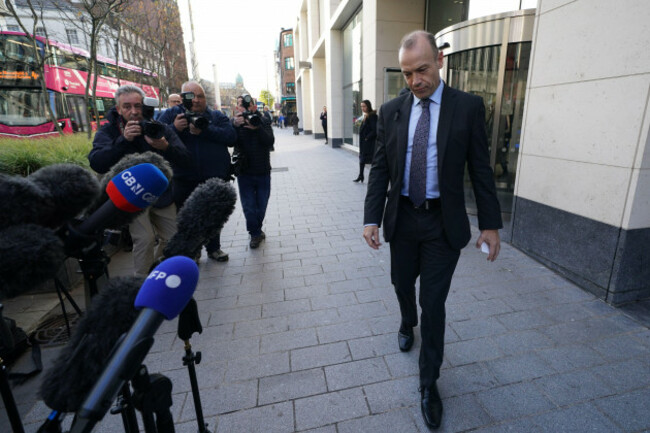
(419, 248)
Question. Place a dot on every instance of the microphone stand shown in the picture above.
(61, 290)
(5, 388)
(87, 249)
(9, 401)
(189, 323)
(153, 395)
(125, 407)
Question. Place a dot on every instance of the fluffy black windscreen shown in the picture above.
(81, 362)
(204, 213)
(29, 255)
(71, 189)
(129, 161)
(21, 201)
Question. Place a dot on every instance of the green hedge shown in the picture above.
(24, 156)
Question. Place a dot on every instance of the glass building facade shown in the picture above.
(352, 79)
(489, 57)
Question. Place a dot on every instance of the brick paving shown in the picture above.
(300, 334)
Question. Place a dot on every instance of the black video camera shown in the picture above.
(195, 119)
(254, 119)
(151, 128)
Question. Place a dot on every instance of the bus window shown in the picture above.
(77, 110)
(22, 107)
(111, 71)
(100, 108)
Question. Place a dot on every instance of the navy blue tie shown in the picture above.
(418, 173)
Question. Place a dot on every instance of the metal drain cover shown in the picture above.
(53, 331)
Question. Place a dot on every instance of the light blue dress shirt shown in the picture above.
(433, 190)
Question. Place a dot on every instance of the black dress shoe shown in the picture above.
(405, 339)
(431, 406)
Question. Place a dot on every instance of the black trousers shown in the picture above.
(419, 248)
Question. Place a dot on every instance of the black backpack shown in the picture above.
(13, 342)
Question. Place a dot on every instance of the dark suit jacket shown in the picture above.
(461, 139)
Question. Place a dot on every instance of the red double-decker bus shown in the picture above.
(23, 112)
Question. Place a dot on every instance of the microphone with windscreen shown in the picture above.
(70, 190)
(21, 201)
(164, 294)
(202, 217)
(129, 193)
(80, 362)
(127, 162)
(29, 255)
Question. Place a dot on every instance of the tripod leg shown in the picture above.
(153, 395)
(127, 410)
(188, 360)
(59, 286)
(63, 310)
(9, 401)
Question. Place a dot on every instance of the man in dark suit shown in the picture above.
(424, 140)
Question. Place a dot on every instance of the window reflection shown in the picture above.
(352, 82)
(25, 107)
(477, 71)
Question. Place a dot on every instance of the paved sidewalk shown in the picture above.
(300, 334)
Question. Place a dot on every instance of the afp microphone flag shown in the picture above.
(137, 187)
(169, 287)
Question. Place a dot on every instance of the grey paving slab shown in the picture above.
(343, 331)
(466, 379)
(356, 373)
(275, 418)
(518, 368)
(223, 399)
(319, 356)
(290, 386)
(514, 401)
(257, 367)
(629, 411)
(579, 418)
(570, 357)
(522, 341)
(310, 319)
(392, 394)
(330, 408)
(374, 346)
(463, 413)
(288, 340)
(398, 421)
(573, 387)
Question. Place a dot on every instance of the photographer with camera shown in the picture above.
(129, 131)
(252, 159)
(207, 134)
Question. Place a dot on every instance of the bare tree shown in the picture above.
(91, 17)
(40, 57)
(159, 25)
(97, 13)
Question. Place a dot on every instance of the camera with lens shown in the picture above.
(192, 117)
(254, 119)
(151, 128)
